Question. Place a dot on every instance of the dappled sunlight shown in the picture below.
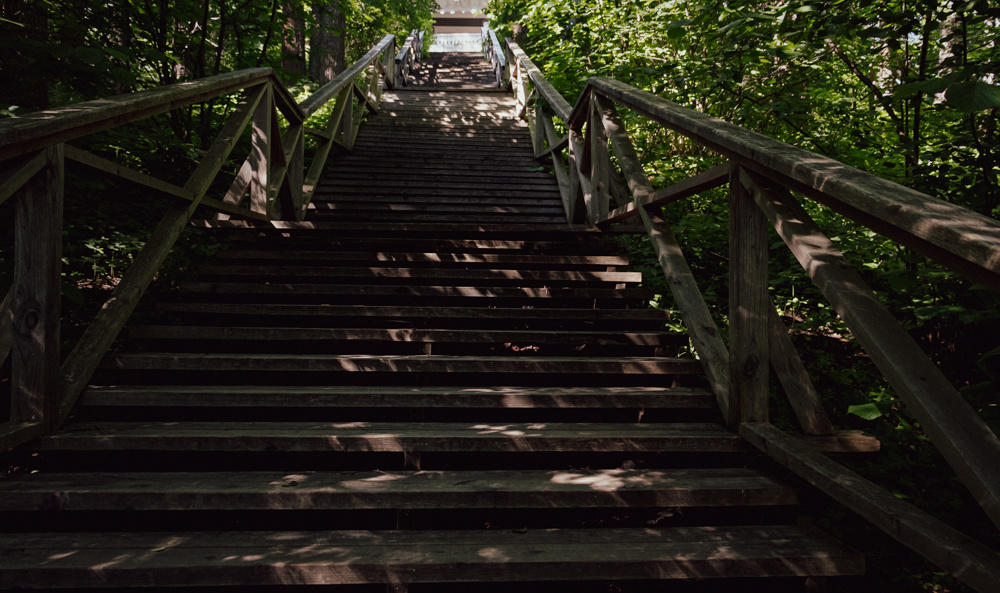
(605, 480)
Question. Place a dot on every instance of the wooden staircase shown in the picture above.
(433, 379)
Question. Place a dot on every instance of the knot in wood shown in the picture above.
(750, 365)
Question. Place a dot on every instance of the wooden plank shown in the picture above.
(438, 259)
(544, 296)
(37, 289)
(694, 312)
(704, 181)
(13, 434)
(16, 172)
(794, 378)
(337, 557)
(413, 273)
(415, 335)
(7, 325)
(381, 490)
(542, 85)
(34, 131)
(966, 559)
(361, 437)
(344, 79)
(393, 397)
(964, 440)
(632, 170)
(399, 363)
(749, 307)
(621, 316)
(260, 152)
(959, 238)
(112, 168)
(600, 165)
(484, 231)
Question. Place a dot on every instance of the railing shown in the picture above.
(33, 153)
(760, 174)
(410, 53)
(494, 53)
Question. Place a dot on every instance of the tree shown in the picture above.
(326, 44)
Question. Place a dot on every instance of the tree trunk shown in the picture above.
(326, 58)
(293, 48)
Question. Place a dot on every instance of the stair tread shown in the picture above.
(360, 437)
(400, 363)
(229, 490)
(387, 396)
(357, 557)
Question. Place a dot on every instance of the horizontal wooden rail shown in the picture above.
(960, 239)
(271, 184)
(408, 54)
(605, 183)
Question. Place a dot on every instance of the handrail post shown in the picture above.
(748, 306)
(37, 293)
(260, 152)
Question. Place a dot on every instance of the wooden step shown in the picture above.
(173, 491)
(76, 560)
(548, 365)
(473, 296)
(541, 316)
(415, 335)
(393, 437)
(399, 397)
(399, 274)
(432, 258)
(546, 232)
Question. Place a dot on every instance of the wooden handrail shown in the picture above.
(33, 155)
(958, 238)
(760, 171)
(408, 54)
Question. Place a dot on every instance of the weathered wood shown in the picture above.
(749, 307)
(375, 490)
(439, 259)
(403, 556)
(412, 335)
(112, 168)
(964, 440)
(13, 434)
(400, 397)
(318, 165)
(966, 559)
(799, 388)
(694, 312)
(97, 338)
(961, 239)
(34, 131)
(706, 180)
(16, 172)
(35, 311)
(635, 176)
(416, 274)
(361, 437)
(260, 152)
(7, 324)
(399, 363)
(544, 87)
(345, 79)
(600, 165)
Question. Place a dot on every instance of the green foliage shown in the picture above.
(905, 89)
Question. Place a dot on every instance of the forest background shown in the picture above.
(905, 89)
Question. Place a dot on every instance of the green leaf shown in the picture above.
(973, 96)
(866, 411)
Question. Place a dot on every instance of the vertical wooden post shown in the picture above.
(749, 306)
(296, 169)
(260, 152)
(37, 291)
(347, 120)
(600, 163)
